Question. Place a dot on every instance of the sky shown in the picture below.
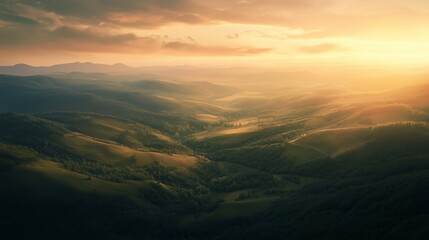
(215, 32)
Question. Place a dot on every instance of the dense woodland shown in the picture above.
(114, 161)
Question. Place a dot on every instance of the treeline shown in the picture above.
(262, 157)
(232, 177)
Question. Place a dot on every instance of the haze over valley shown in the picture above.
(216, 120)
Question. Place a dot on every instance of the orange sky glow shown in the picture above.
(249, 32)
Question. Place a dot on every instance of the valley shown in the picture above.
(195, 159)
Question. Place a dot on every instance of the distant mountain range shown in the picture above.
(24, 69)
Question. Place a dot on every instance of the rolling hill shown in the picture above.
(53, 139)
(84, 156)
(26, 70)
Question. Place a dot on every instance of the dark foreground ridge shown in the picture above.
(114, 158)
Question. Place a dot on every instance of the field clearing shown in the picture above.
(245, 121)
(220, 131)
(242, 95)
(210, 118)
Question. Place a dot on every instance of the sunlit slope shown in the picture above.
(265, 148)
(190, 90)
(28, 169)
(336, 106)
(371, 113)
(333, 142)
(107, 95)
(417, 95)
(383, 141)
(54, 139)
(236, 136)
(395, 141)
(168, 107)
(386, 113)
(121, 131)
(42, 197)
(93, 149)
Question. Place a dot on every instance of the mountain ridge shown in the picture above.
(87, 67)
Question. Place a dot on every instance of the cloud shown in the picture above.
(43, 37)
(233, 36)
(138, 13)
(192, 48)
(96, 26)
(17, 19)
(115, 26)
(92, 36)
(320, 48)
(328, 17)
(90, 40)
(155, 13)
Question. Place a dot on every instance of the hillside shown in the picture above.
(37, 94)
(24, 69)
(120, 131)
(101, 155)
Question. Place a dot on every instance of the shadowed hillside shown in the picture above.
(85, 156)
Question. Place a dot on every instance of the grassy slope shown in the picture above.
(118, 130)
(401, 138)
(40, 199)
(37, 94)
(372, 185)
(120, 155)
(375, 191)
(333, 142)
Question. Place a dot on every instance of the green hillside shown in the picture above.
(121, 131)
(88, 156)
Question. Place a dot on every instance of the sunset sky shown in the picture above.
(173, 32)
